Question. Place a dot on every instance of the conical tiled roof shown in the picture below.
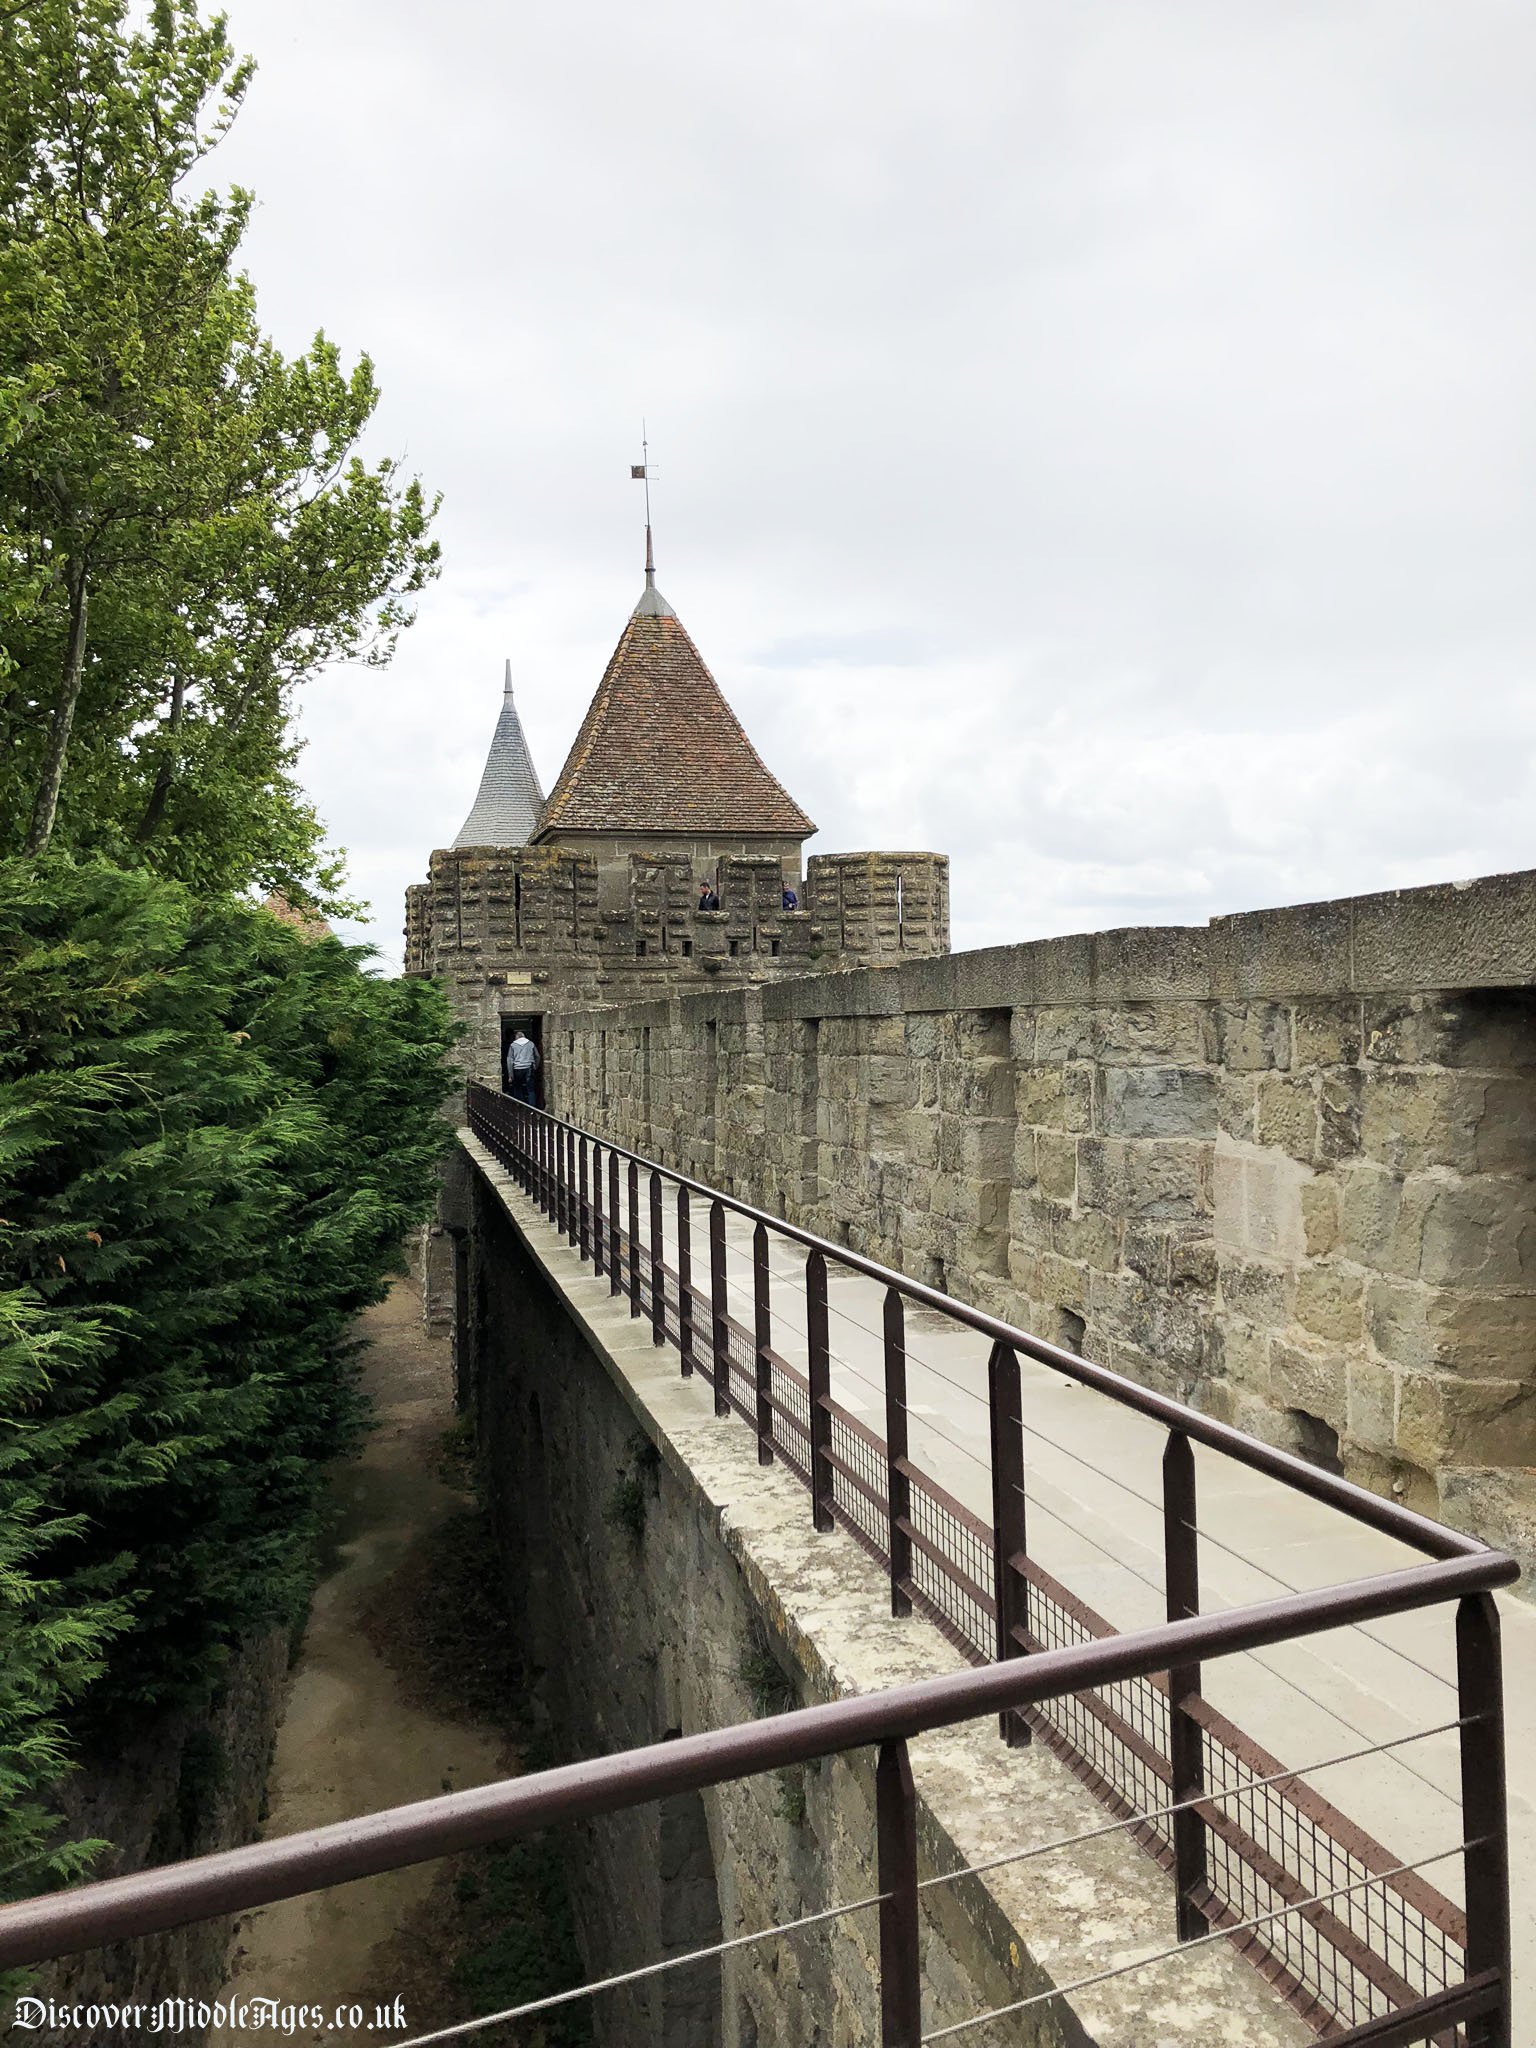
(660, 750)
(506, 810)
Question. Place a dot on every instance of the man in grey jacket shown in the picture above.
(522, 1065)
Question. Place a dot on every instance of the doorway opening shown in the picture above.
(531, 1026)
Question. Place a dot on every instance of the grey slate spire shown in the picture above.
(507, 807)
(652, 604)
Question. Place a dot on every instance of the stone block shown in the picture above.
(1157, 1102)
(1380, 1219)
(1056, 1164)
(1021, 1035)
(1239, 1353)
(1133, 1177)
(1192, 1264)
(1032, 1218)
(1253, 1037)
(1479, 1233)
(1236, 1103)
(1060, 1097)
(1259, 1289)
(1301, 950)
(1258, 1199)
(1444, 1421)
(1089, 1235)
(1285, 1115)
(1145, 1250)
(1330, 1303)
(1382, 1472)
(1064, 1033)
(1371, 1405)
(1063, 1282)
(1442, 1329)
(1313, 1381)
(1319, 1216)
(1414, 1119)
(1474, 935)
(1339, 1097)
(1151, 1034)
(884, 1079)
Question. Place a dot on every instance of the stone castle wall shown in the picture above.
(512, 931)
(1284, 1165)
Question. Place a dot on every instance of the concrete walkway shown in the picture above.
(1093, 1479)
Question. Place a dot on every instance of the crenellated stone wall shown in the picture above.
(1284, 1165)
(513, 931)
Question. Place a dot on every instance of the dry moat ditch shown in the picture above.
(409, 1684)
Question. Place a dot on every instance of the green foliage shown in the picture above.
(214, 1132)
(771, 1688)
(626, 1507)
(518, 1941)
(186, 530)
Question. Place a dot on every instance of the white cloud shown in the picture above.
(1092, 441)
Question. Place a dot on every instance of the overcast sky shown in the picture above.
(1093, 441)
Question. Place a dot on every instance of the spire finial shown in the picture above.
(507, 685)
(640, 472)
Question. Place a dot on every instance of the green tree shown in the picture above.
(214, 1131)
(186, 528)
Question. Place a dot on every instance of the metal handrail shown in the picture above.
(1389, 1517)
(234, 1880)
(550, 1157)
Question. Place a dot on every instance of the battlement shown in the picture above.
(512, 931)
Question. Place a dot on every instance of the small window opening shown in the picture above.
(687, 949)
(639, 949)
(735, 949)
(773, 948)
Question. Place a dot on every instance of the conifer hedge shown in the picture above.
(214, 1131)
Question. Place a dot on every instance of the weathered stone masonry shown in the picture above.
(1282, 1165)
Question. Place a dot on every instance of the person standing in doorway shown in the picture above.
(522, 1065)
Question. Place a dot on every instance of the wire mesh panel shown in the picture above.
(859, 1483)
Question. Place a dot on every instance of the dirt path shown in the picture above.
(357, 1736)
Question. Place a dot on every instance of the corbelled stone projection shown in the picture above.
(1284, 1165)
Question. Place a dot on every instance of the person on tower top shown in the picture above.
(708, 900)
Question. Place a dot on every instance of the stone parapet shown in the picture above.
(1284, 1165)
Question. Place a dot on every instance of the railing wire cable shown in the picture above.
(1139, 1818)
(1183, 1948)
(696, 1955)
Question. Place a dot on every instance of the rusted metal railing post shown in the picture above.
(901, 1990)
(658, 1269)
(615, 1233)
(1181, 1579)
(1008, 1535)
(819, 1372)
(562, 1179)
(898, 1492)
(597, 1208)
(762, 1338)
(1484, 1810)
(684, 1283)
(634, 1237)
(583, 1211)
(720, 1336)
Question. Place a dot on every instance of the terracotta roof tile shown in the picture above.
(661, 750)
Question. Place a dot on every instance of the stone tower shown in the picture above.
(591, 895)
